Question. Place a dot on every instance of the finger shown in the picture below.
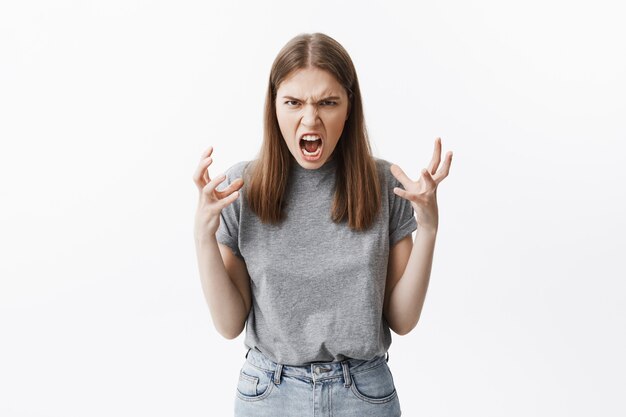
(201, 176)
(445, 169)
(401, 192)
(232, 187)
(236, 184)
(411, 197)
(428, 179)
(212, 185)
(436, 159)
(400, 175)
(225, 202)
(205, 170)
(207, 152)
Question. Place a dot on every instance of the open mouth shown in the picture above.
(311, 146)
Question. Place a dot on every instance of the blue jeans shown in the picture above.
(351, 388)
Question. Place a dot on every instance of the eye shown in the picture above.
(329, 102)
(290, 101)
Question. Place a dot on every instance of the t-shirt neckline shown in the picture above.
(327, 167)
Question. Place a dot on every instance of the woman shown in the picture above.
(315, 259)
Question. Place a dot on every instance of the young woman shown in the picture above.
(314, 256)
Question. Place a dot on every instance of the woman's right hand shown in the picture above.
(210, 201)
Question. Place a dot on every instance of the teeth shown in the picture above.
(311, 137)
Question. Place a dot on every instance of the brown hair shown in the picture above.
(357, 194)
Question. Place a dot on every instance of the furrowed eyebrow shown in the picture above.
(325, 98)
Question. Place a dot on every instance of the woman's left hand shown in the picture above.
(423, 193)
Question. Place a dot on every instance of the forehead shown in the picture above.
(310, 82)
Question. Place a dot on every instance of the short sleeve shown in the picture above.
(402, 220)
(228, 231)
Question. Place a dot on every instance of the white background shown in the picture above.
(105, 108)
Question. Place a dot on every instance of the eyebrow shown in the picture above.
(325, 98)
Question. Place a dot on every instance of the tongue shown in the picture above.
(312, 146)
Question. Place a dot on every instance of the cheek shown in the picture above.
(337, 123)
(285, 118)
(285, 124)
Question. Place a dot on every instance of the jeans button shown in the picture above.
(317, 370)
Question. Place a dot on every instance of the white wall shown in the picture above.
(106, 106)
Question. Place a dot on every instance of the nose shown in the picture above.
(309, 114)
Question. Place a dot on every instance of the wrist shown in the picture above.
(203, 240)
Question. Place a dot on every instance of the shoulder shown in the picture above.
(388, 182)
(382, 163)
(237, 170)
(384, 172)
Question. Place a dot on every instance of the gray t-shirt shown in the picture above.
(317, 287)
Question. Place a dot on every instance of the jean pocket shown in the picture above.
(254, 383)
(374, 385)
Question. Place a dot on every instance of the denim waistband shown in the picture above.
(314, 371)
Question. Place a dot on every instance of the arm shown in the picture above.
(408, 275)
(224, 277)
(228, 298)
(410, 264)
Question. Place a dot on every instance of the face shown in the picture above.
(312, 101)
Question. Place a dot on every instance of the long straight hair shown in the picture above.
(357, 195)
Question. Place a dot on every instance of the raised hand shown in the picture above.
(423, 193)
(211, 201)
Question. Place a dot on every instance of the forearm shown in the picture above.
(224, 299)
(408, 295)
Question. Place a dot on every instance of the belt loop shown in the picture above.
(346, 374)
(277, 373)
(387, 359)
